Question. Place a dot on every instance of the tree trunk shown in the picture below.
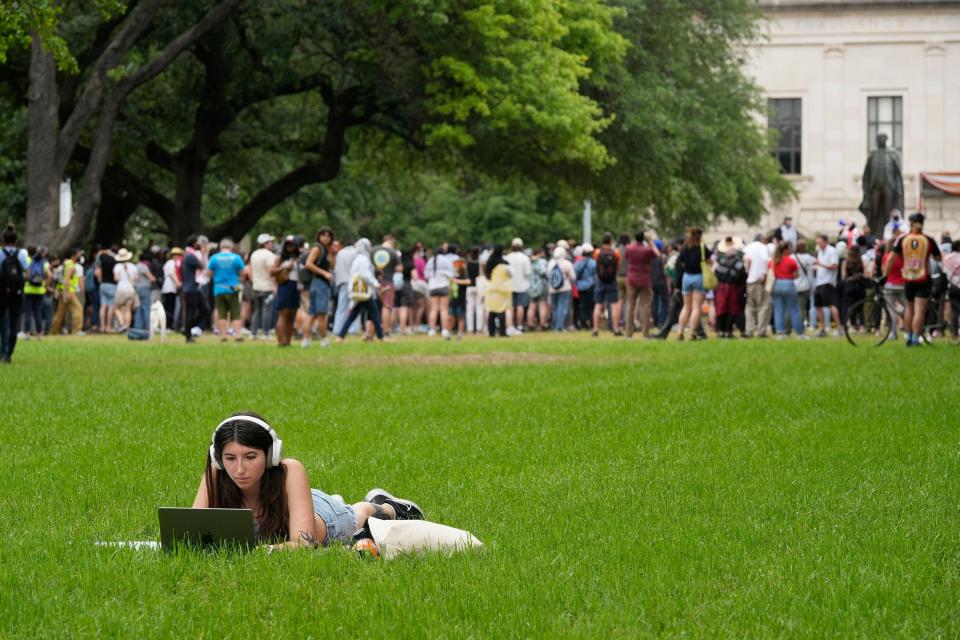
(43, 179)
(112, 216)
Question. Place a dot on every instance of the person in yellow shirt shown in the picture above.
(68, 293)
(499, 292)
(37, 283)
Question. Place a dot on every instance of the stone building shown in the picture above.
(835, 73)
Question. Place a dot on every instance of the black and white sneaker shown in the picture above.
(405, 509)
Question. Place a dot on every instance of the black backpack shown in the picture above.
(11, 273)
(607, 266)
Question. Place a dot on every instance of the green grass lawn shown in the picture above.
(721, 489)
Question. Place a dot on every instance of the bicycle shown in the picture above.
(877, 319)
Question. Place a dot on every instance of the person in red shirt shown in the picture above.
(640, 255)
(916, 249)
(893, 286)
(785, 269)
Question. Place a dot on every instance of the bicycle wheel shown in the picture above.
(876, 323)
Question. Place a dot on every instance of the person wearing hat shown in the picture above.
(171, 284)
(261, 261)
(916, 249)
(521, 269)
(560, 275)
(585, 268)
(126, 276)
(227, 269)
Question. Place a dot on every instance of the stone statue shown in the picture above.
(882, 184)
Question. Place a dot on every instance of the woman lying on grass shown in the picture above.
(244, 471)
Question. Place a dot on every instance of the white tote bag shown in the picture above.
(394, 537)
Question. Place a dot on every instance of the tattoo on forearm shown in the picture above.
(307, 538)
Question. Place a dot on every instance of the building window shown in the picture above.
(885, 115)
(785, 117)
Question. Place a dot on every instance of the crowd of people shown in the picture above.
(295, 289)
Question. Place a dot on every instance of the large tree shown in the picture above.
(62, 110)
(276, 96)
(641, 105)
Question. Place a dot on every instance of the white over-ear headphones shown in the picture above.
(273, 453)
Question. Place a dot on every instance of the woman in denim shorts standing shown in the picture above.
(690, 281)
(321, 287)
(245, 470)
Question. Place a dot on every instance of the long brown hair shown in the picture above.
(694, 236)
(782, 249)
(223, 492)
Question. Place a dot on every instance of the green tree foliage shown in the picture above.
(465, 120)
(687, 145)
(20, 20)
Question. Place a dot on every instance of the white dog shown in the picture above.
(158, 320)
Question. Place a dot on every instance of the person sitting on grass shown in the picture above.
(245, 470)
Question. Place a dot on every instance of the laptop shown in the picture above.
(206, 528)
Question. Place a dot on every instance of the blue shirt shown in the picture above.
(586, 271)
(226, 268)
(21, 253)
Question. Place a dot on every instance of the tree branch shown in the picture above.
(131, 29)
(324, 169)
(89, 197)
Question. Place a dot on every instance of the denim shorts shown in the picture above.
(108, 294)
(521, 299)
(287, 296)
(340, 518)
(319, 296)
(692, 282)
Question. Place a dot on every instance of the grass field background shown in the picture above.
(719, 489)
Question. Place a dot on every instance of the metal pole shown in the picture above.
(587, 210)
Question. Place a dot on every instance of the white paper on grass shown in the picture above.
(130, 544)
(394, 537)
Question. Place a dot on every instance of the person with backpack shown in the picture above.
(731, 282)
(363, 291)
(585, 267)
(606, 291)
(560, 276)
(69, 291)
(804, 282)
(539, 307)
(39, 278)
(13, 269)
(916, 249)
